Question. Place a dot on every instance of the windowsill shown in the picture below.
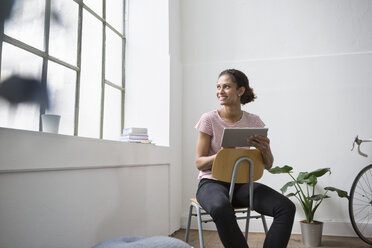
(22, 151)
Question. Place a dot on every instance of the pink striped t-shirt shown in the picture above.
(212, 124)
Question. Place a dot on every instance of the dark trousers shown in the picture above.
(213, 196)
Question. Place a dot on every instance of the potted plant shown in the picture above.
(304, 191)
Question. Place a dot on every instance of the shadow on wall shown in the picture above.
(19, 89)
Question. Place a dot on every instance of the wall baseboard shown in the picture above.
(331, 228)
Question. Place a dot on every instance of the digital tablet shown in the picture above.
(237, 137)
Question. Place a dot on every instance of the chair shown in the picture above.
(226, 167)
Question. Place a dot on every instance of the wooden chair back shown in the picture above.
(224, 162)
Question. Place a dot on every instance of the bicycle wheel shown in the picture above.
(360, 204)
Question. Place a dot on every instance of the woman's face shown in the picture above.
(227, 92)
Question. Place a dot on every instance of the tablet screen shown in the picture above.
(237, 137)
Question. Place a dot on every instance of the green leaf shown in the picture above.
(320, 172)
(279, 170)
(285, 187)
(318, 197)
(312, 181)
(291, 194)
(340, 192)
(301, 176)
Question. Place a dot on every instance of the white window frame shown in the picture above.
(44, 54)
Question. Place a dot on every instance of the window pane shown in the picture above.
(95, 5)
(113, 57)
(91, 74)
(114, 14)
(27, 23)
(61, 86)
(112, 116)
(63, 30)
(22, 116)
(17, 61)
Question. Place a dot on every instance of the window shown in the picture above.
(76, 48)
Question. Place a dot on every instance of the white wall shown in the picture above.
(309, 64)
(62, 191)
(147, 84)
(154, 83)
(175, 117)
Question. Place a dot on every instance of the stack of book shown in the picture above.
(135, 135)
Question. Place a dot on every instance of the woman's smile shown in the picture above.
(227, 91)
(222, 98)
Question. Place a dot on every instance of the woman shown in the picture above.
(233, 91)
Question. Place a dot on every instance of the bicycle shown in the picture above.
(360, 202)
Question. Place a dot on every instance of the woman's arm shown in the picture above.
(262, 143)
(202, 160)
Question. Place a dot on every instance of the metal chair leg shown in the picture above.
(201, 239)
(188, 224)
(247, 224)
(246, 229)
(264, 223)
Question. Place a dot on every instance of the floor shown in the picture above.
(255, 240)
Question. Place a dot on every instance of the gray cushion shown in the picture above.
(141, 242)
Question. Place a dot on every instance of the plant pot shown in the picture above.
(311, 233)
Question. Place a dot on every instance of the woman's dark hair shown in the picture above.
(241, 80)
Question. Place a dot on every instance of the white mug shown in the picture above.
(50, 123)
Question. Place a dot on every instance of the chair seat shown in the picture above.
(194, 200)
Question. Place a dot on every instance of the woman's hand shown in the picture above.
(262, 143)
